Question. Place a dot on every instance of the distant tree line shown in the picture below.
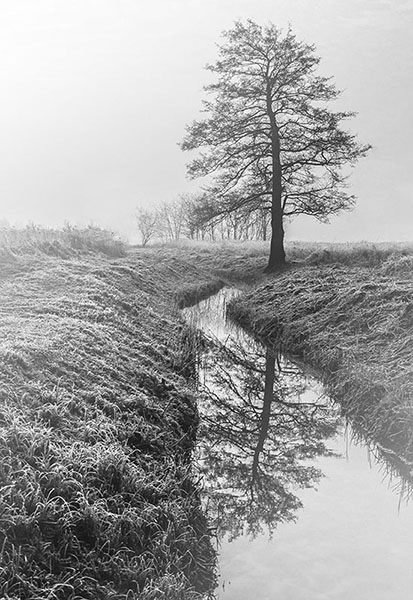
(195, 217)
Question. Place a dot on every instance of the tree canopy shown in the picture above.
(269, 138)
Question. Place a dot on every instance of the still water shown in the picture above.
(302, 511)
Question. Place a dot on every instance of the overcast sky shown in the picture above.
(95, 95)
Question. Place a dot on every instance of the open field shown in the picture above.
(98, 416)
(367, 254)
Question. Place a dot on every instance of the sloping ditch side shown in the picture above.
(356, 326)
(97, 426)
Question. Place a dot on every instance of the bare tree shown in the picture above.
(170, 220)
(269, 138)
(147, 223)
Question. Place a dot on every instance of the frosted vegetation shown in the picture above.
(98, 413)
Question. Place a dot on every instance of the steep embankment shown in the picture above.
(97, 424)
(356, 325)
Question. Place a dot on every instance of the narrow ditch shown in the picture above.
(302, 506)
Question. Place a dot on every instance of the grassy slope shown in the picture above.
(356, 324)
(97, 420)
(97, 423)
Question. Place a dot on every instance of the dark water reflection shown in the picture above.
(262, 421)
(256, 437)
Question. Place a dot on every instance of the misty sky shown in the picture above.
(95, 96)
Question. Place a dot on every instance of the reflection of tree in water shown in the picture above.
(257, 431)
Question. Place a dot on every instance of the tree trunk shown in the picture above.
(265, 414)
(264, 225)
(277, 252)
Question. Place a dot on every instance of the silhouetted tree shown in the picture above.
(269, 138)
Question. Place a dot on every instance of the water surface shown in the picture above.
(301, 510)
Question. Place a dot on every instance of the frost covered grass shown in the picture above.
(356, 325)
(252, 255)
(97, 426)
(357, 253)
(21, 248)
(97, 414)
(198, 269)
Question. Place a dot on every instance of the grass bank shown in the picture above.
(354, 323)
(97, 414)
(197, 269)
(97, 424)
